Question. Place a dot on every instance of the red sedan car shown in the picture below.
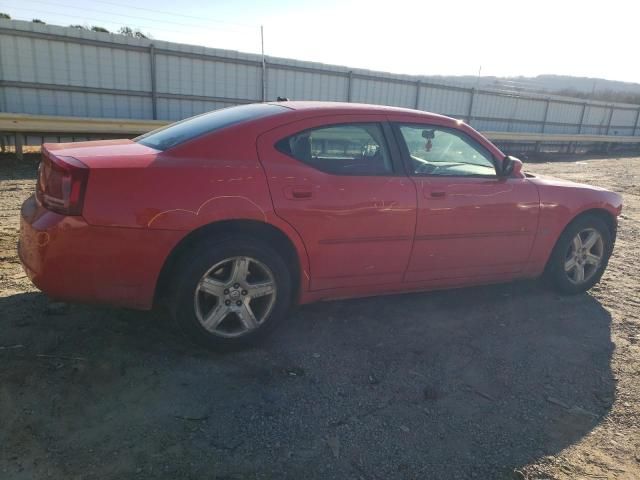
(233, 216)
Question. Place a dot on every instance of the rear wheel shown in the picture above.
(581, 255)
(230, 292)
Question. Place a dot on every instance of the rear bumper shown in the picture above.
(68, 259)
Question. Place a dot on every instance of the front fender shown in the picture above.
(560, 203)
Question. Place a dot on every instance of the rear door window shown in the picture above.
(347, 149)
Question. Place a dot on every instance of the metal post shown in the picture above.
(609, 122)
(469, 113)
(584, 109)
(574, 145)
(19, 143)
(349, 81)
(546, 114)
(544, 124)
(635, 126)
(154, 93)
(607, 145)
(418, 84)
(264, 66)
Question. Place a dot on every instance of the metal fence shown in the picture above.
(50, 70)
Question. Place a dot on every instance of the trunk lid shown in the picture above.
(105, 153)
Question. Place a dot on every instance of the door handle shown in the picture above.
(438, 194)
(298, 193)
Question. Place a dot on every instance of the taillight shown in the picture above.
(62, 182)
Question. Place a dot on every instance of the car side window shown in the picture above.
(346, 149)
(445, 152)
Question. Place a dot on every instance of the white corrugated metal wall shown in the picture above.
(50, 70)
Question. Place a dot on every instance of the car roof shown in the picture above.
(357, 108)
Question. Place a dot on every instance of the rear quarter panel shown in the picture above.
(180, 188)
(212, 178)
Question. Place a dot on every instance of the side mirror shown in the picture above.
(511, 167)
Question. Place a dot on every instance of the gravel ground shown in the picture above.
(501, 382)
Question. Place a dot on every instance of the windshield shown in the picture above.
(179, 132)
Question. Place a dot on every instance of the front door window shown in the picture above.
(445, 152)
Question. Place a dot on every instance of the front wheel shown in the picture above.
(229, 293)
(581, 255)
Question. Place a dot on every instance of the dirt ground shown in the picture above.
(502, 382)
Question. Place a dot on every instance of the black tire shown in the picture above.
(198, 260)
(555, 272)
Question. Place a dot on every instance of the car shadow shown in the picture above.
(464, 383)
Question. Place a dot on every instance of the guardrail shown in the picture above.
(20, 124)
(51, 124)
(558, 137)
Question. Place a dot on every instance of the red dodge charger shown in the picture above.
(231, 217)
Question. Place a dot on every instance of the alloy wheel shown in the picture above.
(584, 256)
(235, 296)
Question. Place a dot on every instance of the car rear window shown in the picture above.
(179, 132)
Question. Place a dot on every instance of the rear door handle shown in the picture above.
(438, 194)
(297, 193)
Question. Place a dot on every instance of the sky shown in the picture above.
(446, 37)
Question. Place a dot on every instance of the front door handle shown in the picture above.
(298, 192)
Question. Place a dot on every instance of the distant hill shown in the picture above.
(580, 87)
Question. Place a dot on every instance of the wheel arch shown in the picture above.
(265, 232)
(602, 213)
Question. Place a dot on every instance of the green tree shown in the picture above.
(5, 15)
(99, 29)
(130, 32)
(37, 20)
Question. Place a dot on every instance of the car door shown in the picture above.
(470, 223)
(337, 181)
